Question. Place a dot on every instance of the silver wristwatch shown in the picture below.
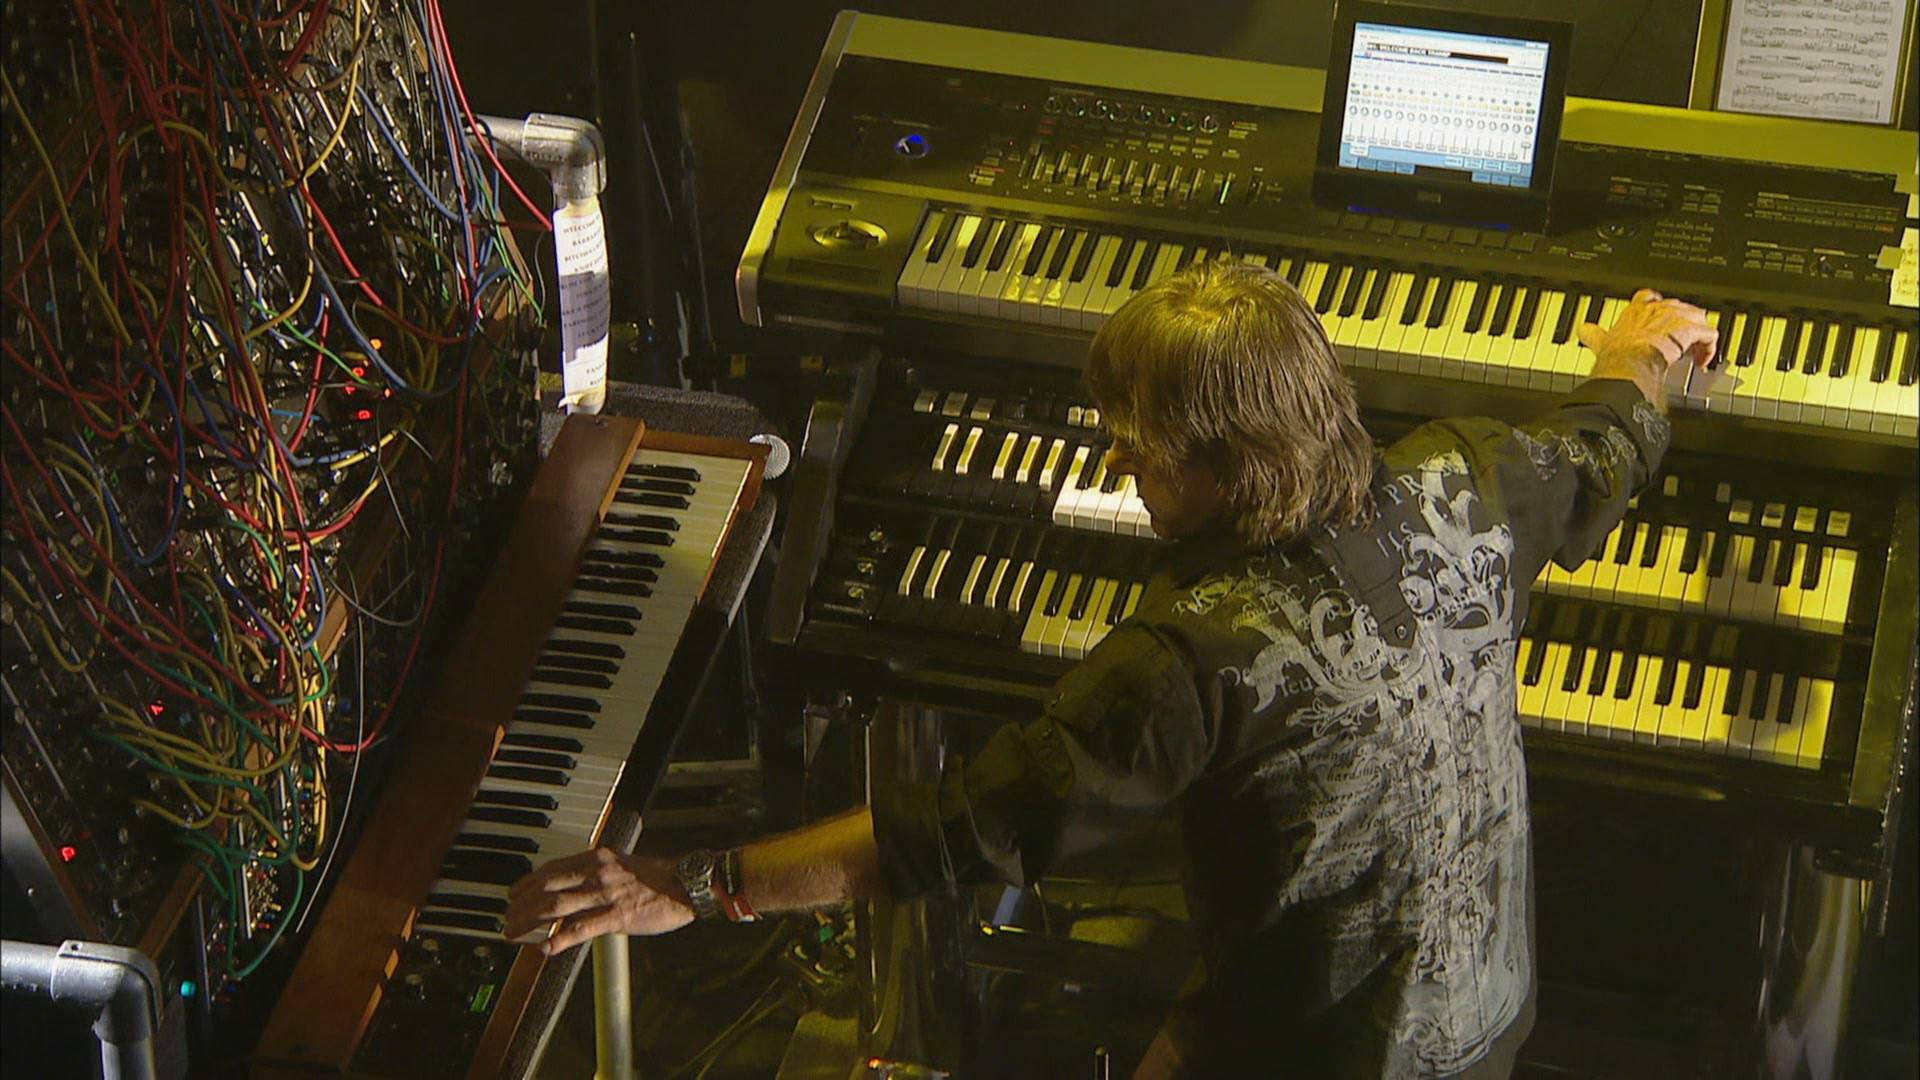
(696, 876)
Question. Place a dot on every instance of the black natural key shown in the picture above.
(487, 867)
(562, 677)
(608, 586)
(1910, 361)
(545, 758)
(1503, 310)
(1690, 552)
(1038, 251)
(645, 521)
(1783, 570)
(557, 743)
(1717, 555)
(1376, 295)
(1144, 268)
(625, 558)
(979, 245)
(1663, 690)
(553, 718)
(940, 237)
(586, 648)
(595, 626)
(1084, 259)
(998, 258)
(544, 700)
(1350, 296)
(1118, 271)
(1060, 252)
(1816, 348)
(1789, 346)
(507, 815)
(1477, 309)
(496, 905)
(665, 472)
(1696, 682)
(577, 663)
(1882, 356)
(1529, 311)
(1757, 566)
(497, 842)
(1442, 296)
(1329, 290)
(1410, 310)
(528, 774)
(525, 800)
(1563, 326)
(463, 920)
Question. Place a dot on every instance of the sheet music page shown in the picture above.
(1819, 59)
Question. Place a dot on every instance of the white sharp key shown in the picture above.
(1000, 460)
(964, 462)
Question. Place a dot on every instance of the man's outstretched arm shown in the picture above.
(604, 892)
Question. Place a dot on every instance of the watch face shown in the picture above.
(697, 866)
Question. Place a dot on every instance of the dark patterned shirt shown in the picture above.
(1355, 807)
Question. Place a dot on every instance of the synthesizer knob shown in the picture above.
(414, 986)
(1164, 118)
(430, 948)
(1187, 121)
(1052, 104)
(1076, 106)
(1101, 109)
(1208, 124)
(1144, 114)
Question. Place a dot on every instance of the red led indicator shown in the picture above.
(156, 708)
(68, 852)
(363, 414)
(360, 372)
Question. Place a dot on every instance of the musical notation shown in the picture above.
(1820, 59)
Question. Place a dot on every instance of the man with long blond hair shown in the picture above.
(1320, 678)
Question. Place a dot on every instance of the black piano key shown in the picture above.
(625, 558)
(1477, 309)
(1624, 680)
(1882, 356)
(941, 236)
(1118, 271)
(1696, 682)
(1076, 604)
(1410, 310)
(612, 588)
(592, 625)
(549, 759)
(978, 246)
(1503, 310)
(1723, 325)
(1596, 304)
(1576, 665)
(643, 521)
(1730, 701)
(1057, 595)
(486, 867)
(1749, 341)
(1790, 345)
(655, 498)
(1690, 551)
(525, 800)
(1038, 251)
(1529, 311)
(1650, 548)
(1910, 361)
(508, 815)
(1597, 676)
(605, 610)
(1442, 296)
(1376, 295)
(1536, 663)
(1783, 570)
(1762, 695)
(1757, 565)
(1810, 577)
(1324, 297)
(1842, 350)
(1789, 690)
(664, 485)
(686, 473)
(1297, 271)
(1057, 264)
(541, 699)
(1111, 484)
(529, 774)
(1623, 549)
(1084, 259)
(594, 565)
(997, 258)
(1717, 554)
(586, 648)
(577, 663)
(1669, 674)
(494, 905)
(1816, 348)
(1144, 269)
(463, 920)
(553, 718)
(1563, 326)
(563, 677)
(497, 842)
(557, 743)
(1350, 296)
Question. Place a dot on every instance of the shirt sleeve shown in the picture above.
(1124, 729)
(1563, 479)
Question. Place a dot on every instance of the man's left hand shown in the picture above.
(597, 892)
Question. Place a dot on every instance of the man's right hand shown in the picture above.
(1651, 334)
(596, 892)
